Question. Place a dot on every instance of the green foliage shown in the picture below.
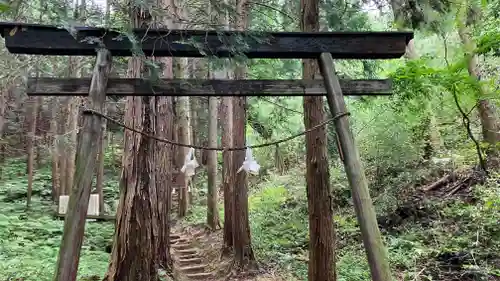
(30, 239)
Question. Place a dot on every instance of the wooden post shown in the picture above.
(375, 250)
(74, 224)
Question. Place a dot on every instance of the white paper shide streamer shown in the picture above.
(190, 164)
(249, 165)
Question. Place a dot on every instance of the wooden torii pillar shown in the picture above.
(325, 46)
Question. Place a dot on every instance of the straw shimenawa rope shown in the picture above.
(274, 143)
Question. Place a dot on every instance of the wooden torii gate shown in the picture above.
(324, 46)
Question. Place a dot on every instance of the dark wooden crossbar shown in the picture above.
(35, 39)
(91, 217)
(195, 87)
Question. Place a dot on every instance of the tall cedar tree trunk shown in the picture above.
(165, 129)
(226, 111)
(31, 113)
(182, 115)
(102, 145)
(212, 210)
(490, 121)
(184, 137)
(319, 198)
(195, 131)
(243, 252)
(56, 173)
(136, 247)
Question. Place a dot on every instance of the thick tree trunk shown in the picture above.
(243, 252)
(319, 198)
(30, 144)
(136, 245)
(165, 157)
(136, 248)
(164, 121)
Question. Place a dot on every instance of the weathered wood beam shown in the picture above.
(91, 217)
(193, 87)
(74, 224)
(35, 39)
(363, 205)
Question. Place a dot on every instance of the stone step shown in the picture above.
(174, 236)
(198, 233)
(186, 251)
(181, 246)
(186, 256)
(179, 240)
(200, 276)
(200, 268)
(189, 261)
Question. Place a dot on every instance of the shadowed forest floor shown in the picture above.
(446, 233)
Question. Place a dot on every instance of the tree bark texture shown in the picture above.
(136, 247)
(243, 252)
(165, 157)
(212, 210)
(227, 170)
(319, 198)
(137, 244)
(184, 137)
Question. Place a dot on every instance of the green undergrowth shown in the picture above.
(30, 239)
(448, 239)
(451, 239)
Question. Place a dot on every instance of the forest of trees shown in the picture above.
(430, 151)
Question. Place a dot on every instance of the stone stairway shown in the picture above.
(188, 263)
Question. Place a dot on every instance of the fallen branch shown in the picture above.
(457, 186)
(439, 183)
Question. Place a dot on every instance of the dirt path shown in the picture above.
(187, 257)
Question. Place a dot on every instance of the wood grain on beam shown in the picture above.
(35, 39)
(193, 87)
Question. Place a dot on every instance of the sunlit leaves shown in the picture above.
(4, 6)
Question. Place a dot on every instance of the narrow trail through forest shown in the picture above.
(188, 263)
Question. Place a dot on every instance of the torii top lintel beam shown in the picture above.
(21, 38)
